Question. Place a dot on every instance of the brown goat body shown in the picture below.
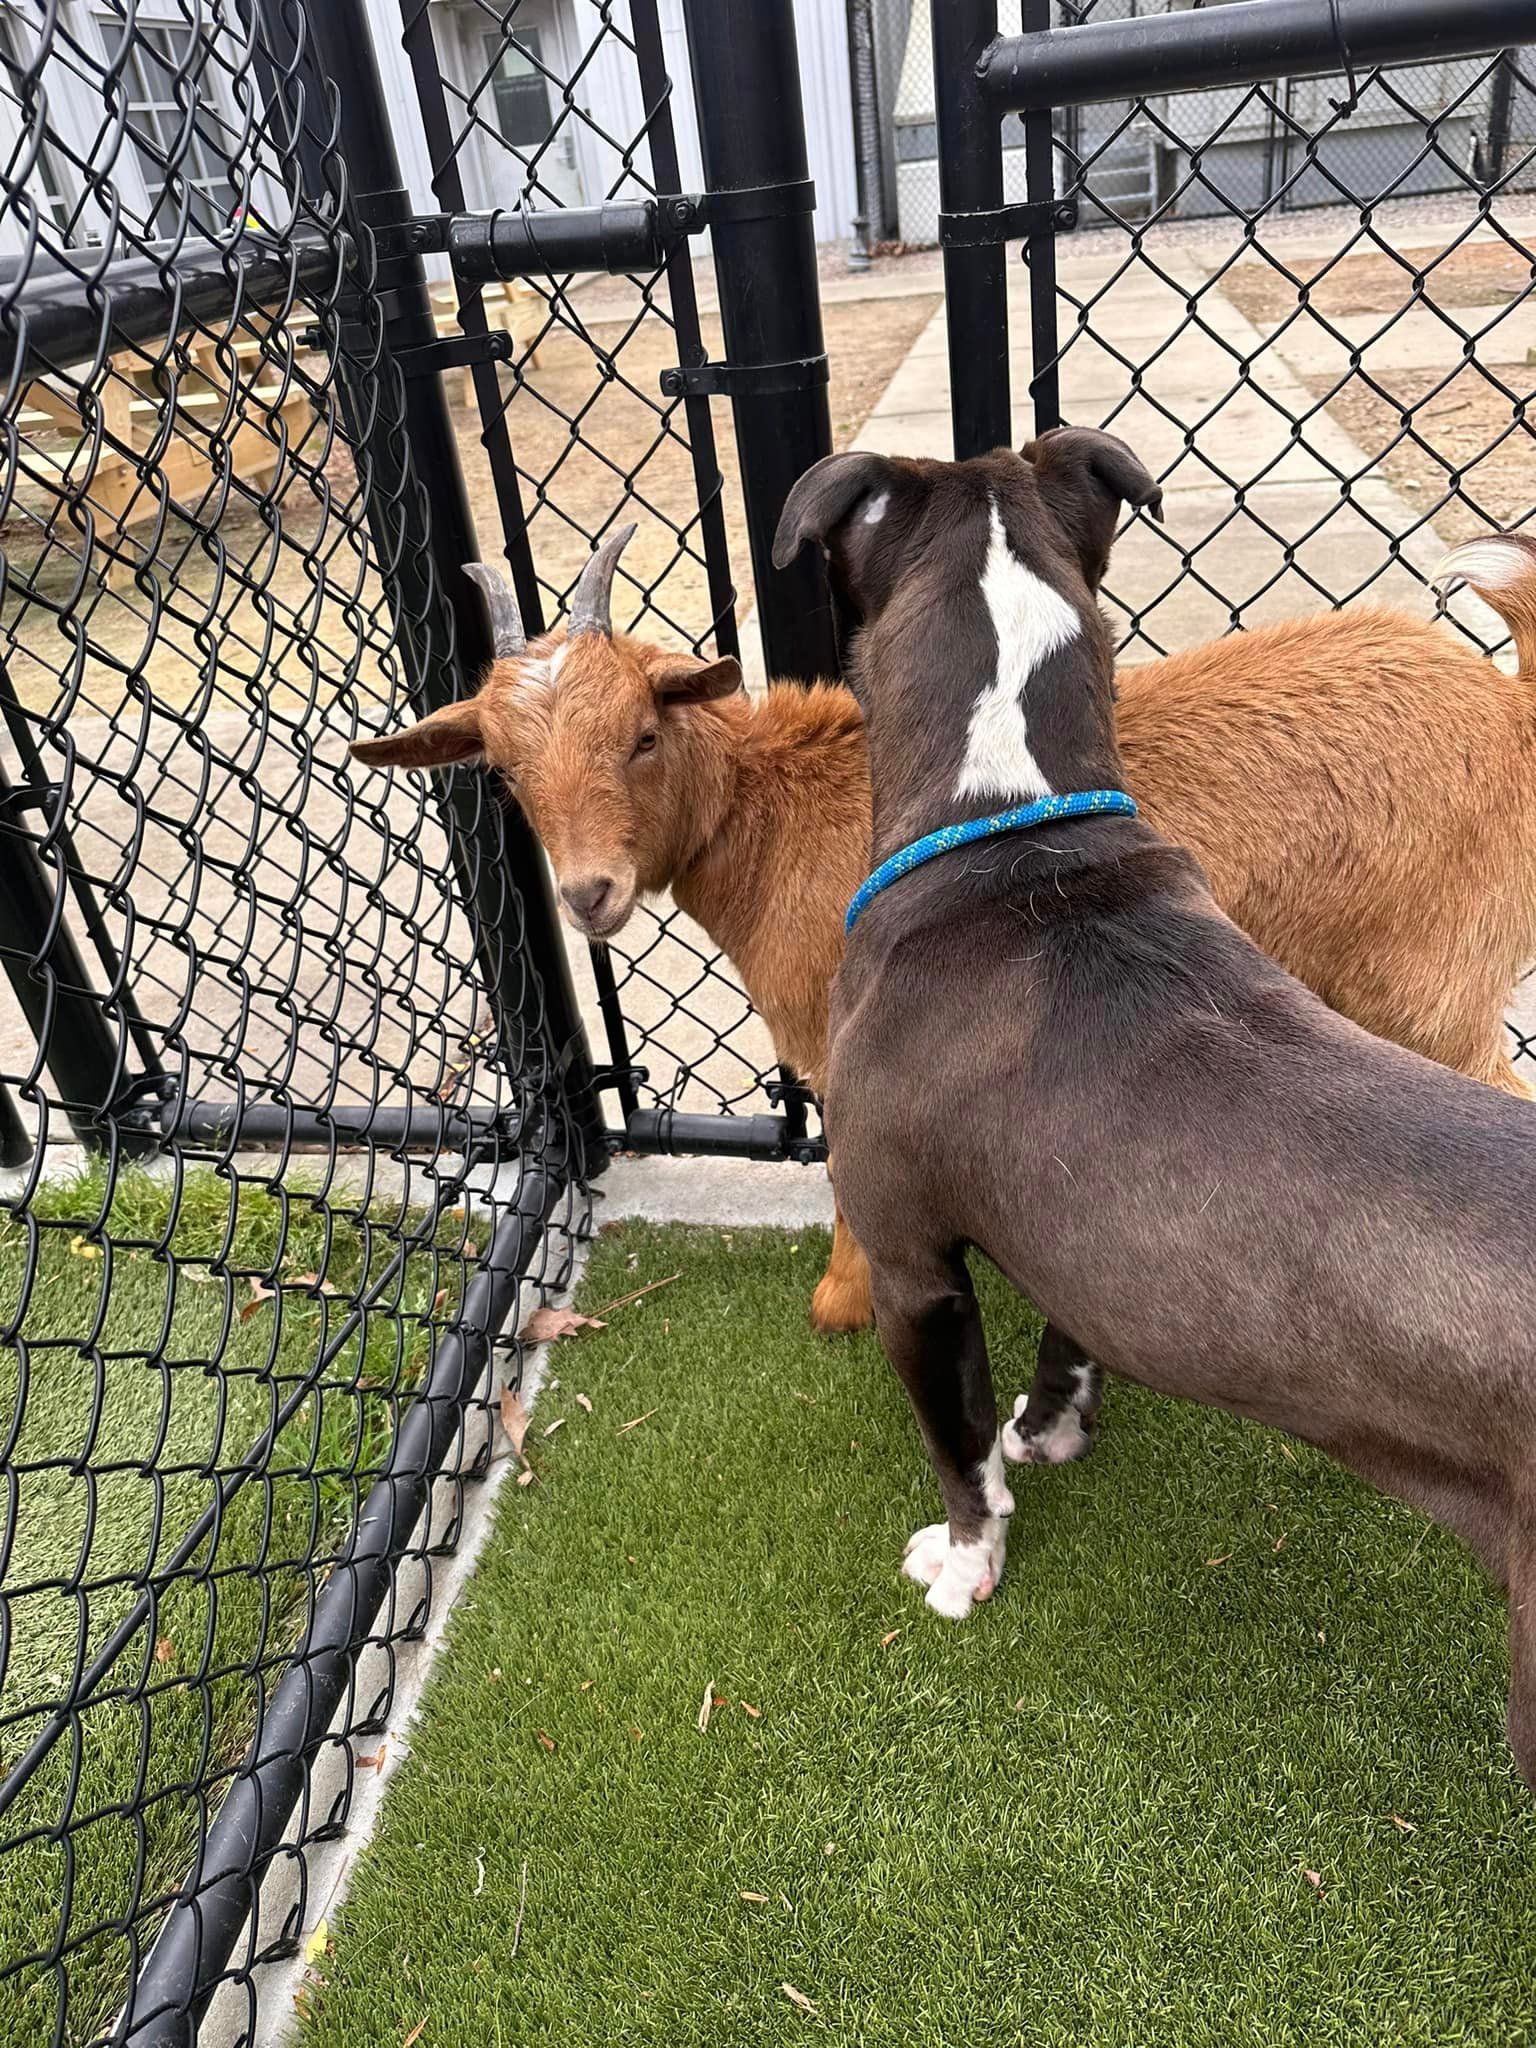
(1360, 788)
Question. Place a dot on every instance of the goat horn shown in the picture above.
(508, 639)
(591, 606)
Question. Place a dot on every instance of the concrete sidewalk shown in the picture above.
(1250, 462)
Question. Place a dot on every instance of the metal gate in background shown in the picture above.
(298, 1097)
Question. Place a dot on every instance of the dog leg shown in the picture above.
(841, 1301)
(931, 1329)
(1057, 1420)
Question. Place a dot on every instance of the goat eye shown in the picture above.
(646, 744)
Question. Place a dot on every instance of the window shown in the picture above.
(49, 186)
(519, 89)
(176, 165)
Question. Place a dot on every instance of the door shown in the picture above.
(528, 138)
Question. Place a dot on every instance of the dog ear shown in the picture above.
(1085, 477)
(825, 496)
(677, 679)
(436, 741)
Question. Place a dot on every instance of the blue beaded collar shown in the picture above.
(1081, 803)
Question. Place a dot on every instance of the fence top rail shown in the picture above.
(1242, 43)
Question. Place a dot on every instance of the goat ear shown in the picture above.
(683, 682)
(824, 497)
(436, 741)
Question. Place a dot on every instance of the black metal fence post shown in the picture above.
(1500, 108)
(412, 463)
(746, 84)
(1040, 247)
(53, 985)
(971, 183)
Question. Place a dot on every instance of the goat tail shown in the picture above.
(1501, 568)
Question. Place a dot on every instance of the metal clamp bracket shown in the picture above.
(1025, 219)
(743, 380)
(457, 352)
(685, 213)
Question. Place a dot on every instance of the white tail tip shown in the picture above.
(1494, 561)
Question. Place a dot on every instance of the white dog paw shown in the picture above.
(923, 1558)
(1061, 1438)
(957, 1575)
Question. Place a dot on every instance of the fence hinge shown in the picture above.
(685, 213)
(1022, 220)
(457, 352)
(743, 380)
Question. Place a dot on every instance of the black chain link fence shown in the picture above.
(557, 108)
(1330, 398)
(280, 1108)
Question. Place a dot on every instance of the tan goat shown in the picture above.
(1360, 788)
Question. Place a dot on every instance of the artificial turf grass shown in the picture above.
(1085, 1817)
(145, 1364)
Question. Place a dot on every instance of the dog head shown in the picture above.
(984, 671)
(875, 515)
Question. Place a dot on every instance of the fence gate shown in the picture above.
(300, 1089)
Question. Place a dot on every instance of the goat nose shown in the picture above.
(585, 899)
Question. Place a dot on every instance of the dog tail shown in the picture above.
(1501, 568)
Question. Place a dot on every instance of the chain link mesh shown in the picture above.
(215, 932)
(1330, 398)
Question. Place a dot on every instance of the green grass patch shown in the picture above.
(1216, 1664)
(155, 1330)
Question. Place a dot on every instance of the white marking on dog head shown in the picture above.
(1032, 622)
(874, 511)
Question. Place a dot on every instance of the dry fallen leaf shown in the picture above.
(1314, 1878)
(889, 1637)
(748, 1708)
(1225, 1558)
(259, 1295)
(514, 1418)
(636, 1423)
(586, 1685)
(583, 1402)
(754, 1898)
(808, 1399)
(545, 1741)
(551, 1427)
(707, 1708)
(1407, 1827)
(415, 2034)
(546, 1325)
(314, 1280)
(797, 1998)
(375, 1762)
(165, 1651)
(317, 1943)
(527, 1476)
(437, 1301)
(1280, 1540)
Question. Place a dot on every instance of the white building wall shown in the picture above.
(610, 92)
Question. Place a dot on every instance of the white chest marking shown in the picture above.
(1031, 622)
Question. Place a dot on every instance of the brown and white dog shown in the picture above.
(1054, 1047)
